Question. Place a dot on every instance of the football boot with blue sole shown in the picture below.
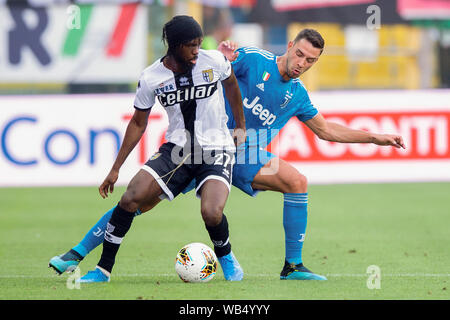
(298, 272)
(93, 276)
(231, 268)
(66, 262)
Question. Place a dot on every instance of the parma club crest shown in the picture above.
(208, 75)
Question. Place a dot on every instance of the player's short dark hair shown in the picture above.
(179, 30)
(312, 36)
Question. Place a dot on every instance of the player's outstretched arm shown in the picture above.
(335, 132)
(233, 94)
(135, 129)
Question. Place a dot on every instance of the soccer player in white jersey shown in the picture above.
(187, 81)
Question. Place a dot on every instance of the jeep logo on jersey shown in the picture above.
(258, 110)
(168, 99)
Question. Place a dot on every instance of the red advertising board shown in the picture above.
(426, 135)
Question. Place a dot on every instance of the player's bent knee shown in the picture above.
(297, 184)
(129, 202)
(212, 215)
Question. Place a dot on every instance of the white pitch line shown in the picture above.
(337, 275)
(170, 275)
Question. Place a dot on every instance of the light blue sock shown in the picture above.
(295, 213)
(95, 236)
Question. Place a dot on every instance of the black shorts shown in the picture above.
(174, 168)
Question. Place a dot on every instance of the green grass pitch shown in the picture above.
(401, 228)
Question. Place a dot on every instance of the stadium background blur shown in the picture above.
(408, 49)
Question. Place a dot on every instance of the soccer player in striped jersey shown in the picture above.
(189, 83)
(273, 94)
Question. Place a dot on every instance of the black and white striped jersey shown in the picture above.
(193, 100)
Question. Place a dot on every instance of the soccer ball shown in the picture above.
(196, 262)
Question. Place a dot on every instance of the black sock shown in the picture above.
(117, 227)
(220, 237)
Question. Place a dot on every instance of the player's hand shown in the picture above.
(239, 135)
(389, 140)
(228, 49)
(108, 183)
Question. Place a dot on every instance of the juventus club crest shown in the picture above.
(287, 99)
(208, 75)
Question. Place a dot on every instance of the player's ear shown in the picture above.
(290, 44)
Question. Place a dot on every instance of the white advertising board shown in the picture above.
(61, 140)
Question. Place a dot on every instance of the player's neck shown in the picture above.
(174, 64)
(282, 67)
